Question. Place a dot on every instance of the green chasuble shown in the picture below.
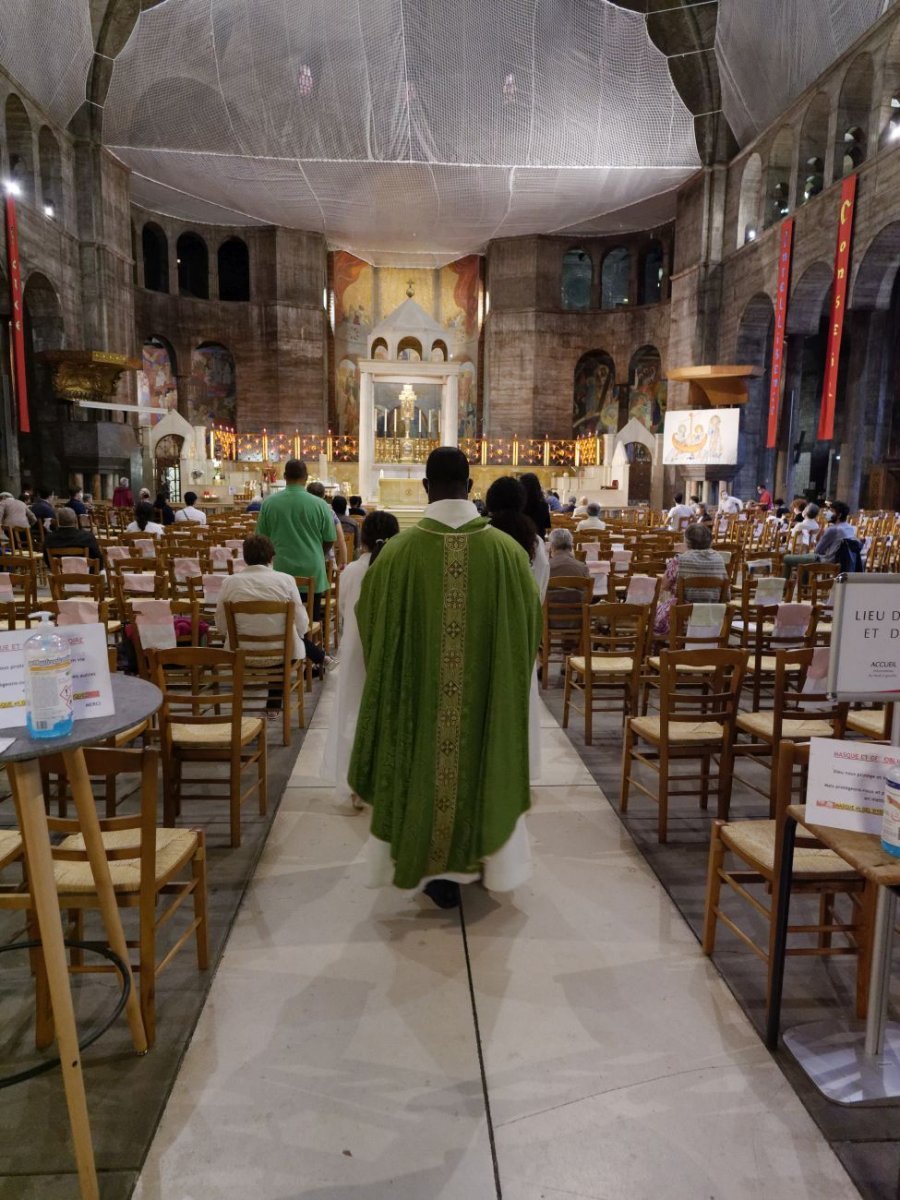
(450, 621)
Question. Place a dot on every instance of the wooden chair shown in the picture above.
(702, 589)
(201, 721)
(683, 635)
(770, 632)
(756, 845)
(306, 585)
(814, 581)
(145, 863)
(692, 724)
(57, 555)
(269, 661)
(874, 724)
(69, 586)
(615, 639)
(565, 620)
(800, 710)
(22, 574)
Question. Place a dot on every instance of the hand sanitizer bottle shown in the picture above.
(48, 682)
(890, 825)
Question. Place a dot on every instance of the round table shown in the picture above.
(134, 701)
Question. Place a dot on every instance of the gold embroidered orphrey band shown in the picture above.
(449, 714)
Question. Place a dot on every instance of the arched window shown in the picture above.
(854, 110)
(748, 209)
(615, 278)
(577, 277)
(650, 280)
(439, 351)
(51, 173)
(890, 112)
(234, 270)
(20, 146)
(778, 177)
(410, 348)
(893, 128)
(380, 348)
(155, 247)
(193, 266)
(813, 149)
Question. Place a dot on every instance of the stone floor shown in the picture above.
(568, 1041)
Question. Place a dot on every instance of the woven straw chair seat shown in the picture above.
(869, 721)
(754, 841)
(173, 847)
(214, 734)
(602, 666)
(761, 724)
(679, 731)
(10, 846)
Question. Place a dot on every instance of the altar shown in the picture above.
(402, 493)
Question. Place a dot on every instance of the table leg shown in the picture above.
(83, 796)
(880, 978)
(779, 948)
(29, 800)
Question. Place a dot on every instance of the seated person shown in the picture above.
(562, 557)
(15, 512)
(190, 512)
(255, 505)
(43, 507)
(679, 512)
(76, 503)
(337, 551)
(702, 515)
(67, 535)
(581, 507)
(808, 525)
(348, 525)
(356, 508)
(164, 512)
(837, 530)
(143, 520)
(699, 561)
(592, 520)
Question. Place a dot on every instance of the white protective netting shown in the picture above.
(47, 47)
(769, 51)
(406, 130)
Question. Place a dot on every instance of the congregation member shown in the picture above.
(702, 515)
(377, 529)
(122, 497)
(42, 507)
(580, 509)
(15, 513)
(255, 504)
(729, 506)
(449, 620)
(679, 512)
(698, 561)
(190, 512)
(68, 535)
(143, 520)
(76, 503)
(301, 527)
(356, 507)
(830, 546)
(808, 525)
(259, 581)
(144, 494)
(763, 497)
(536, 506)
(563, 563)
(591, 520)
(338, 552)
(349, 527)
(165, 514)
(553, 502)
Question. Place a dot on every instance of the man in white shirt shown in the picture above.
(729, 505)
(592, 520)
(581, 508)
(260, 582)
(190, 512)
(680, 513)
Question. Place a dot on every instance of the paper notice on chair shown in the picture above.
(846, 783)
(91, 682)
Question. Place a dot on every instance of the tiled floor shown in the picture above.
(338, 1054)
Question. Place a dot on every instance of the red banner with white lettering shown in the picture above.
(838, 305)
(785, 251)
(17, 327)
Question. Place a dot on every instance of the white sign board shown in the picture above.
(846, 783)
(865, 639)
(708, 435)
(91, 683)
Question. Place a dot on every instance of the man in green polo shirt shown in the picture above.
(300, 525)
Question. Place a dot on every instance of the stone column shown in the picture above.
(367, 487)
(450, 411)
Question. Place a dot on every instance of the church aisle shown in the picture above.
(337, 1057)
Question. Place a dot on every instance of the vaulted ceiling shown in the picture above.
(415, 130)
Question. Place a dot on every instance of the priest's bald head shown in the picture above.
(447, 475)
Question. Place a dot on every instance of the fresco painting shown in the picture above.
(156, 385)
(347, 399)
(647, 397)
(213, 396)
(468, 401)
(353, 292)
(595, 402)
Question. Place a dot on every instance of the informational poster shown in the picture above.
(91, 682)
(865, 659)
(701, 436)
(846, 783)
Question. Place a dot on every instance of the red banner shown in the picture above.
(785, 251)
(17, 328)
(838, 304)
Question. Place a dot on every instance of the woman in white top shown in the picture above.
(377, 528)
(505, 501)
(143, 519)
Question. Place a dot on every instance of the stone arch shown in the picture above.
(854, 114)
(410, 348)
(778, 176)
(633, 431)
(577, 279)
(43, 313)
(889, 123)
(155, 252)
(379, 349)
(808, 297)
(878, 270)
(20, 145)
(233, 259)
(813, 148)
(439, 351)
(748, 208)
(192, 257)
(50, 161)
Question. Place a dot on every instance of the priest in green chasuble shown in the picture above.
(449, 619)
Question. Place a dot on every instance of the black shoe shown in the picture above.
(443, 892)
